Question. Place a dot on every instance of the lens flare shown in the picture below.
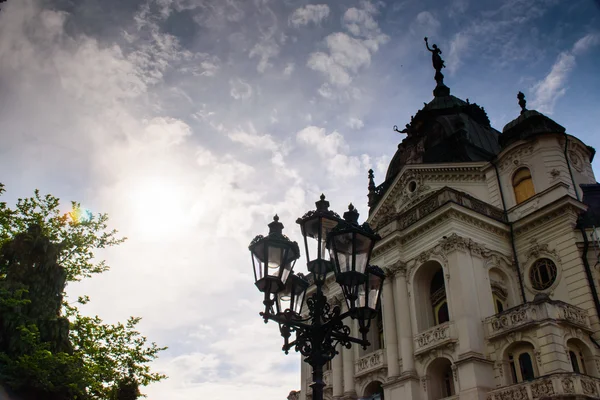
(81, 215)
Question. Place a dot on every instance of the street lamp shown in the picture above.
(331, 244)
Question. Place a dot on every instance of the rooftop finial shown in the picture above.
(372, 187)
(438, 64)
(522, 101)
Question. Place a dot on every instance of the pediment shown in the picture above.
(413, 184)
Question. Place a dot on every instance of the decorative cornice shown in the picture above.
(565, 206)
(446, 246)
(449, 211)
(423, 175)
(396, 268)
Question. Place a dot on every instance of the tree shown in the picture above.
(48, 349)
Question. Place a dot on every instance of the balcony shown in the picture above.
(555, 385)
(370, 362)
(438, 336)
(526, 315)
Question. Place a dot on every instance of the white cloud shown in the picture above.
(360, 22)
(332, 149)
(289, 69)
(265, 50)
(347, 54)
(585, 43)
(311, 13)
(239, 89)
(458, 45)
(549, 90)
(254, 140)
(326, 64)
(270, 40)
(355, 123)
(427, 22)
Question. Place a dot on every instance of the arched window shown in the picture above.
(522, 185)
(429, 296)
(577, 358)
(499, 283)
(499, 295)
(437, 294)
(520, 363)
(373, 391)
(441, 379)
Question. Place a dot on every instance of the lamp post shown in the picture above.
(331, 244)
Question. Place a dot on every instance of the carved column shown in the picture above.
(348, 363)
(403, 321)
(337, 366)
(389, 324)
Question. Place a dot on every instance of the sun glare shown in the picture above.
(157, 208)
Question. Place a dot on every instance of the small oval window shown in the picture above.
(412, 186)
(542, 274)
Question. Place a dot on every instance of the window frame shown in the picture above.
(532, 270)
(574, 351)
(514, 361)
(514, 186)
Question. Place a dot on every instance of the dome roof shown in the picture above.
(530, 123)
(447, 129)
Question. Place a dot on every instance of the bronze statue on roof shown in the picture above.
(437, 61)
(522, 101)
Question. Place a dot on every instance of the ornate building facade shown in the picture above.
(489, 246)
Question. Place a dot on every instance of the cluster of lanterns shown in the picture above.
(331, 244)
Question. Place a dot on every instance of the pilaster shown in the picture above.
(389, 325)
(403, 320)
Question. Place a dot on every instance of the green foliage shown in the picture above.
(79, 232)
(102, 361)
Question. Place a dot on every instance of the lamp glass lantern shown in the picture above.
(273, 258)
(368, 298)
(315, 226)
(291, 299)
(351, 246)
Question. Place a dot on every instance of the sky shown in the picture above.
(192, 122)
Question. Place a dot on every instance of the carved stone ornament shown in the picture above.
(576, 161)
(408, 198)
(538, 250)
(454, 372)
(369, 361)
(517, 393)
(538, 357)
(500, 368)
(542, 388)
(589, 386)
(424, 383)
(568, 385)
(396, 268)
(513, 158)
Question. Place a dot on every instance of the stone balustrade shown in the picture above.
(437, 200)
(437, 336)
(528, 314)
(549, 386)
(370, 362)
